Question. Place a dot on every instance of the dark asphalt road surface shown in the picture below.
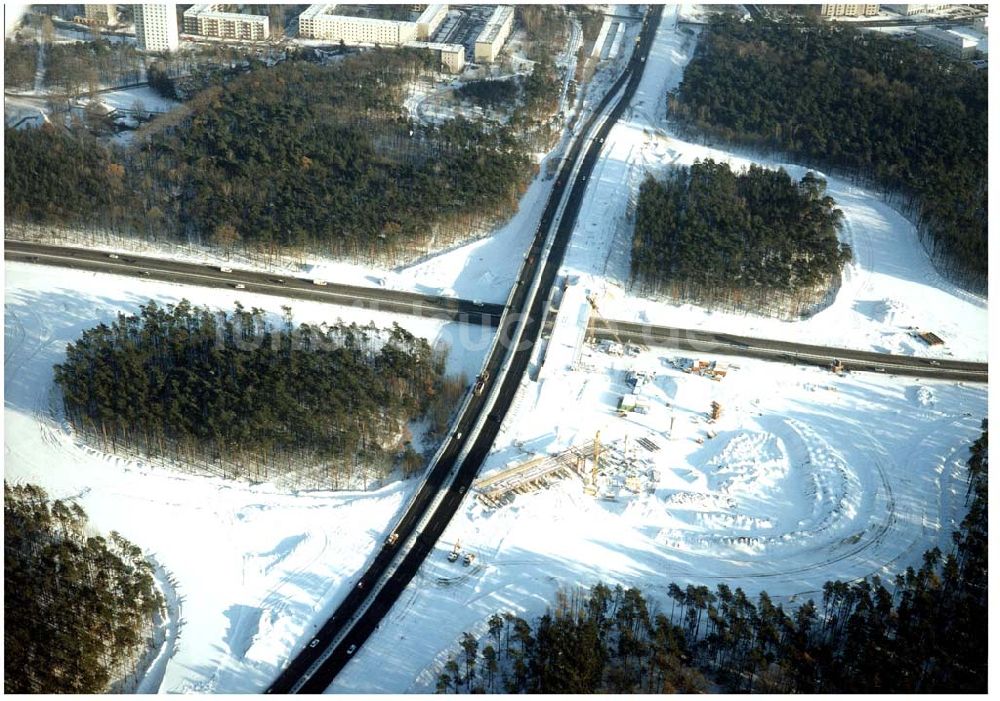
(710, 342)
(320, 678)
(376, 298)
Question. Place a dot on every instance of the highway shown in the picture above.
(711, 342)
(314, 668)
(183, 273)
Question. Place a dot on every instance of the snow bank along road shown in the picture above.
(786, 351)
(314, 669)
(469, 311)
(482, 313)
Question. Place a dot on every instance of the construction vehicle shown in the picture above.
(453, 555)
(837, 366)
(469, 558)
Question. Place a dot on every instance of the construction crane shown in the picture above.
(591, 487)
(592, 299)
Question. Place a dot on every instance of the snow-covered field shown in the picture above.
(809, 476)
(255, 569)
(889, 287)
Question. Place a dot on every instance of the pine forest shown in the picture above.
(80, 610)
(884, 111)
(753, 241)
(290, 158)
(325, 406)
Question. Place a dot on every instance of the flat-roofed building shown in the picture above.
(208, 20)
(322, 22)
(494, 34)
(450, 56)
(429, 21)
(949, 42)
(914, 8)
(156, 27)
(833, 11)
(103, 14)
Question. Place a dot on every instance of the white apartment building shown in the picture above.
(156, 27)
(207, 20)
(103, 14)
(429, 21)
(450, 56)
(914, 8)
(841, 10)
(494, 34)
(321, 22)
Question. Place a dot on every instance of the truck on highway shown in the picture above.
(481, 383)
(391, 540)
(224, 269)
(321, 283)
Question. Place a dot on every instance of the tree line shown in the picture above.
(319, 406)
(294, 157)
(20, 58)
(80, 67)
(754, 241)
(885, 111)
(79, 609)
(924, 632)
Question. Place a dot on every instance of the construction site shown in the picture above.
(606, 471)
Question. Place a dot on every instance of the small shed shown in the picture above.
(931, 338)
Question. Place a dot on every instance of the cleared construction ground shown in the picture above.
(500, 488)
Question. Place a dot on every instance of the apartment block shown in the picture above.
(451, 57)
(321, 22)
(156, 27)
(833, 11)
(208, 20)
(494, 34)
(429, 21)
(914, 8)
(103, 14)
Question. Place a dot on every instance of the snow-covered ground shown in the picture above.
(889, 287)
(809, 477)
(255, 569)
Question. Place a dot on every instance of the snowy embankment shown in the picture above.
(254, 569)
